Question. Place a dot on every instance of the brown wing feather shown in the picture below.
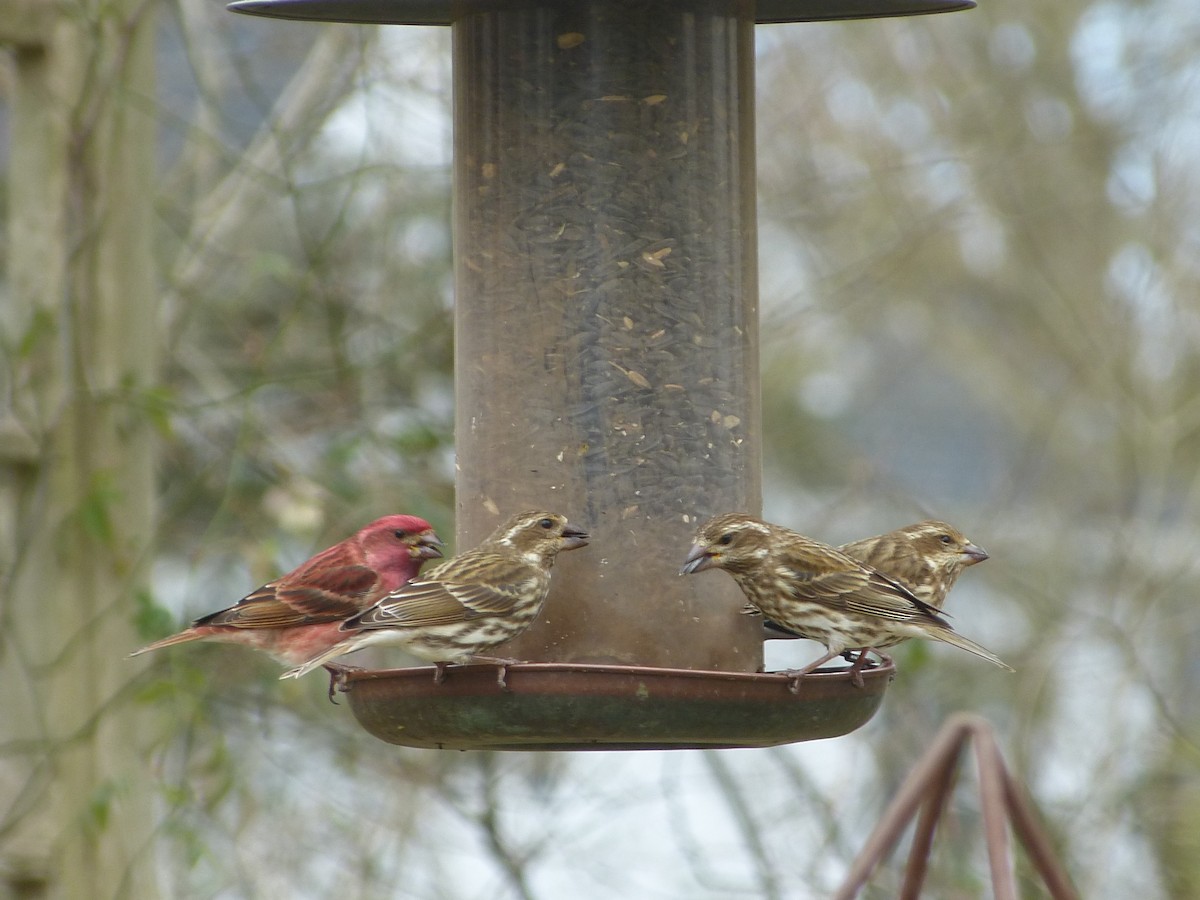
(342, 581)
(455, 593)
(885, 599)
(853, 587)
(416, 604)
(327, 595)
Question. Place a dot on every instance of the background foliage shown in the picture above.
(979, 245)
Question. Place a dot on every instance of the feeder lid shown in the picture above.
(443, 12)
(567, 706)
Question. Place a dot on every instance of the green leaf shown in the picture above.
(99, 806)
(94, 509)
(41, 326)
(151, 620)
(158, 405)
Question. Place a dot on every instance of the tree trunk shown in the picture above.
(78, 455)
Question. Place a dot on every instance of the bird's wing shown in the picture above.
(493, 585)
(849, 586)
(887, 598)
(319, 595)
(917, 574)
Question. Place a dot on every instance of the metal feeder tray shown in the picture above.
(565, 706)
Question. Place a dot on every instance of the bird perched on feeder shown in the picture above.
(468, 604)
(817, 591)
(297, 615)
(926, 557)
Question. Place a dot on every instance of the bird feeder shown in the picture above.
(606, 347)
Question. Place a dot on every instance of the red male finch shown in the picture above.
(817, 591)
(466, 605)
(297, 615)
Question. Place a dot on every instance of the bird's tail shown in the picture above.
(963, 643)
(339, 649)
(305, 667)
(183, 637)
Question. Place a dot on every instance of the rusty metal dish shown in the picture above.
(561, 706)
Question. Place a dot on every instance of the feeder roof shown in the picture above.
(443, 12)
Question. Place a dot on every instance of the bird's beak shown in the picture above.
(974, 554)
(573, 537)
(428, 546)
(697, 560)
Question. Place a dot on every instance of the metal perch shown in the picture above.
(927, 788)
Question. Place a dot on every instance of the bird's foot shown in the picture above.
(795, 675)
(439, 672)
(337, 678)
(502, 663)
(862, 661)
(856, 670)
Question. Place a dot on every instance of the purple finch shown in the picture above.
(466, 605)
(926, 558)
(817, 591)
(297, 615)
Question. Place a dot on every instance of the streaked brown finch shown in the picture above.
(926, 557)
(817, 591)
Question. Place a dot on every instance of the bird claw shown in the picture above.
(439, 672)
(502, 662)
(863, 662)
(796, 675)
(337, 678)
(860, 663)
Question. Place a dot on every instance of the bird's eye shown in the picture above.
(547, 523)
(726, 539)
(400, 533)
(946, 539)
